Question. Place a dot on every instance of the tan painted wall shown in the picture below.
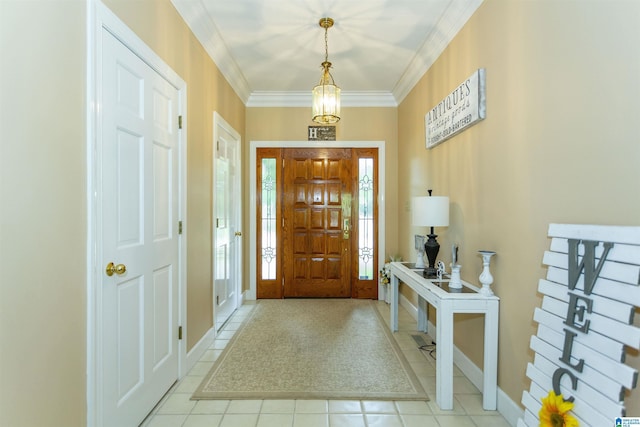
(356, 124)
(160, 26)
(42, 214)
(559, 144)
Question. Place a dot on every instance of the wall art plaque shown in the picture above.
(459, 110)
(585, 325)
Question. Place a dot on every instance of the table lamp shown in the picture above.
(431, 211)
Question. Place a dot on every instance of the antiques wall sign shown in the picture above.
(462, 108)
(322, 133)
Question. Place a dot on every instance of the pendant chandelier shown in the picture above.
(325, 107)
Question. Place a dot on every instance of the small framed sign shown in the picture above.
(321, 133)
(462, 108)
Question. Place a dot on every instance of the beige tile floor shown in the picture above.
(177, 410)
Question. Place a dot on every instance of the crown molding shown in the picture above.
(451, 22)
(279, 99)
(196, 17)
(454, 18)
(368, 99)
(303, 99)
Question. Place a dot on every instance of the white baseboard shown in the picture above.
(248, 295)
(196, 353)
(509, 409)
(205, 342)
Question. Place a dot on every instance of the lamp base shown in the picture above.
(429, 273)
(431, 247)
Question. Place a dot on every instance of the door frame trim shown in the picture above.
(99, 20)
(253, 147)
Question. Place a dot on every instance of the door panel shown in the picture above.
(130, 295)
(364, 270)
(162, 302)
(316, 251)
(269, 223)
(139, 213)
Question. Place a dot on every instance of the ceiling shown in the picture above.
(270, 51)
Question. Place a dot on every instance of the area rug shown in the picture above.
(312, 349)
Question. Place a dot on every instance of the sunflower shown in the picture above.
(555, 412)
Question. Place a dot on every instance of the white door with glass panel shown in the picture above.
(138, 238)
(227, 271)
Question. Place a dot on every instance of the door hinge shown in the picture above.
(179, 227)
(179, 122)
(217, 299)
(179, 332)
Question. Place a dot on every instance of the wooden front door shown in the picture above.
(317, 221)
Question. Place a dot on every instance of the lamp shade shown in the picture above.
(325, 107)
(430, 211)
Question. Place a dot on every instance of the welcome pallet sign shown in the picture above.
(585, 324)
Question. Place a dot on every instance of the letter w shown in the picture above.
(588, 263)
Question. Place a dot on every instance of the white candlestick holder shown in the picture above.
(485, 277)
(456, 281)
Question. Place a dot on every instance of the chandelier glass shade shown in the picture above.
(325, 107)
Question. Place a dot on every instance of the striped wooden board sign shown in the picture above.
(585, 323)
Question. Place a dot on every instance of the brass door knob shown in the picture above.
(238, 233)
(118, 269)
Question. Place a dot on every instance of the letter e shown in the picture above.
(577, 311)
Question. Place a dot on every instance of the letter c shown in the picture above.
(557, 376)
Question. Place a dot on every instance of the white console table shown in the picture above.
(447, 302)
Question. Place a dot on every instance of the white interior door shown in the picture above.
(227, 277)
(139, 235)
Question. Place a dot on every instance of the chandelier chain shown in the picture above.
(326, 43)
